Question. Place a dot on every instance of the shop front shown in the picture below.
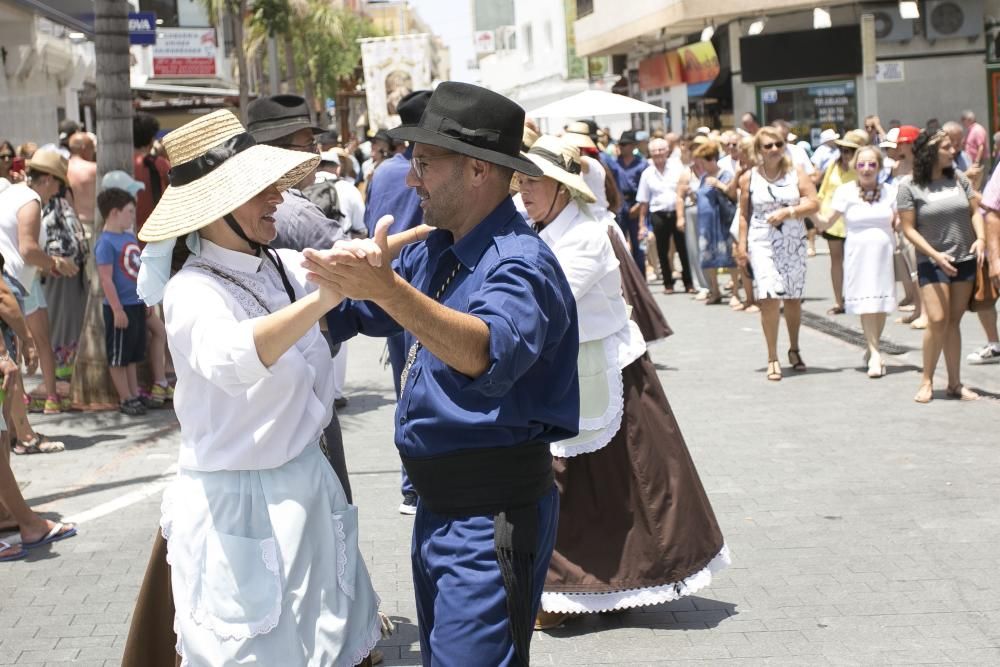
(811, 107)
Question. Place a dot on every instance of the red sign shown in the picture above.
(185, 52)
(184, 67)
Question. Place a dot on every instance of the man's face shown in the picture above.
(749, 124)
(956, 137)
(256, 216)
(659, 153)
(304, 142)
(437, 176)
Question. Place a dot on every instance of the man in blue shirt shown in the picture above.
(489, 380)
(388, 194)
(631, 167)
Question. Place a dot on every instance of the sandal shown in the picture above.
(836, 310)
(547, 620)
(37, 445)
(10, 551)
(961, 393)
(774, 370)
(797, 363)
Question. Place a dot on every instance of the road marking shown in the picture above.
(125, 500)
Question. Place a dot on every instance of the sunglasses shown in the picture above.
(773, 144)
(867, 165)
(7, 157)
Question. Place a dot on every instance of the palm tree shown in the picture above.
(91, 383)
(234, 13)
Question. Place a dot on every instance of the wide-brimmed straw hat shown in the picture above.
(578, 134)
(217, 167)
(560, 161)
(853, 139)
(48, 162)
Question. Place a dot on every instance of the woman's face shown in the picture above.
(771, 148)
(946, 153)
(47, 187)
(538, 195)
(686, 151)
(256, 216)
(7, 155)
(867, 166)
(846, 155)
(707, 164)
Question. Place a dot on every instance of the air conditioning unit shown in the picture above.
(889, 25)
(946, 19)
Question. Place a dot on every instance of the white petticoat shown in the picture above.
(265, 567)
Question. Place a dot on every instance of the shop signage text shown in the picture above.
(890, 71)
(142, 28)
(185, 52)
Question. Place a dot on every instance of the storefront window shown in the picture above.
(811, 108)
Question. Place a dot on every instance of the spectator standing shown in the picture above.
(715, 216)
(974, 145)
(990, 210)
(657, 198)
(148, 168)
(632, 165)
(81, 172)
(939, 211)
(7, 155)
(898, 145)
(826, 152)
(687, 211)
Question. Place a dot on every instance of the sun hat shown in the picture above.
(577, 133)
(472, 121)
(828, 135)
(560, 161)
(853, 139)
(119, 179)
(528, 137)
(277, 116)
(48, 161)
(217, 167)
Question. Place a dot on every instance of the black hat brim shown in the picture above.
(266, 135)
(422, 135)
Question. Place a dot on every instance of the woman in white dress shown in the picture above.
(635, 525)
(869, 212)
(262, 543)
(775, 196)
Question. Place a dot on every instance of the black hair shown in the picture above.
(4, 143)
(925, 157)
(113, 199)
(144, 129)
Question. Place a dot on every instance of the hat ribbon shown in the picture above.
(556, 159)
(192, 170)
(483, 137)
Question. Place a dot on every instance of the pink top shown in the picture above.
(975, 143)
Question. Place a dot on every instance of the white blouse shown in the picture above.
(235, 413)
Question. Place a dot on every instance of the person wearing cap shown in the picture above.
(827, 150)
(388, 194)
(837, 173)
(22, 243)
(621, 544)
(898, 146)
(631, 166)
(490, 378)
(261, 539)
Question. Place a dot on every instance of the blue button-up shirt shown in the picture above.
(512, 281)
(631, 174)
(388, 194)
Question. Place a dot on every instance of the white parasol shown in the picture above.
(591, 103)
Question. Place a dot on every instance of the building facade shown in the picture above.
(817, 67)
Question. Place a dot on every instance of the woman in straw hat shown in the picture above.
(635, 525)
(262, 543)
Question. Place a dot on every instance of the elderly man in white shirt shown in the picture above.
(657, 197)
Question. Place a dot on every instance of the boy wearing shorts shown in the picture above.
(117, 252)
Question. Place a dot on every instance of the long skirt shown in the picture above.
(869, 270)
(635, 525)
(67, 299)
(645, 311)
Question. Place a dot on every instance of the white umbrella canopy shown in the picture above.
(593, 103)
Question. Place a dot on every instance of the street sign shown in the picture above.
(142, 28)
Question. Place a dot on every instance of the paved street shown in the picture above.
(864, 528)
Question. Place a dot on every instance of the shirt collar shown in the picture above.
(471, 247)
(233, 259)
(555, 230)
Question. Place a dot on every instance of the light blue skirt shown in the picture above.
(265, 567)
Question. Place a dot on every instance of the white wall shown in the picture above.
(543, 59)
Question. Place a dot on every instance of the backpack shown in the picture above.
(324, 195)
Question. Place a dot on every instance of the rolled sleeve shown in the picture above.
(524, 311)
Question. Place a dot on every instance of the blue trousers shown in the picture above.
(397, 358)
(461, 601)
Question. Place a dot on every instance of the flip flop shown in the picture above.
(53, 535)
(18, 555)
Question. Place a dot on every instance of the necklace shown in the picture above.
(869, 196)
(411, 356)
(763, 171)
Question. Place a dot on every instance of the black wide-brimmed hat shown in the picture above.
(473, 121)
(412, 107)
(628, 137)
(270, 118)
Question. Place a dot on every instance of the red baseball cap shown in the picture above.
(904, 134)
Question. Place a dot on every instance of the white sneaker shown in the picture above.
(989, 354)
(409, 504)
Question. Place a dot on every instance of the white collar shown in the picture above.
(239, 261)
(555, 230)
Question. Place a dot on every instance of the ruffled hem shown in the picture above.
(597, 432)
(592, 603)
(347, 587)
(374, 635)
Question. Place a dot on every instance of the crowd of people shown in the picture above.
(510, 272)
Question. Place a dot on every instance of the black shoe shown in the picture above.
(409, 504)
(149, 402)
(132, 407)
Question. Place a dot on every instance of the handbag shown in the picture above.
(985, 293)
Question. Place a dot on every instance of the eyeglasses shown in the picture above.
(419, 164)
(311, 147)
(773, 144)
(866, 165)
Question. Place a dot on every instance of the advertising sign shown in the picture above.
(142, 28)
(185, 52)
(662, 70)
(700, 62)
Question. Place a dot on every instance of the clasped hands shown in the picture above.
(357, 269)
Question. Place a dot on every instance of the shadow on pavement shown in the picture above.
(690, 613)
(362, 401)
(91, 488)
(78, 442)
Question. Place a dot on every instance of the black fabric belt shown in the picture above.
(506, 482)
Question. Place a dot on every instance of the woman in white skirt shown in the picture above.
(262, 543)
(869, 212)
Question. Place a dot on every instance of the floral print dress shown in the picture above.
(777, 254)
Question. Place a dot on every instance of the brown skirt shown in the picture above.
(633, 514)
(645, 311)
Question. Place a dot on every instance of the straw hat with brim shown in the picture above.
(473, 121)
(560, 161)
(217, 167)
(578, 134)
(48, 162)
(853, 139)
